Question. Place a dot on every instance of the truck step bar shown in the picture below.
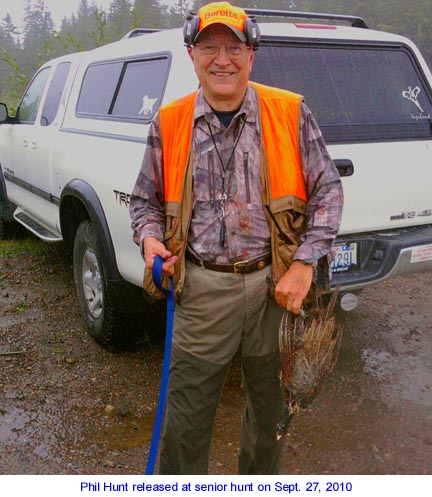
(355, 22)
(35, 227)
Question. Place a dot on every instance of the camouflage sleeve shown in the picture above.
(147, 199)
(325, 192)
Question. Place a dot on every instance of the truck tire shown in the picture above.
(101, 318)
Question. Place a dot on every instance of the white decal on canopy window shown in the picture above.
(147, 105)
(412, 95)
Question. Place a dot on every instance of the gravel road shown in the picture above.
(69, 407)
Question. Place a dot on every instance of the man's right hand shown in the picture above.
(152, 248)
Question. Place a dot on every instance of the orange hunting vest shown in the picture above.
(284, 190)
(280, 115)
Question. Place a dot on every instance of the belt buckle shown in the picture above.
(238, 265)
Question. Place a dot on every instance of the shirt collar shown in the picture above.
(247, 108)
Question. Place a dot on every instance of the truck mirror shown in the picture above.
(4, 115)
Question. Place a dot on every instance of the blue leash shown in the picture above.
(169, 294)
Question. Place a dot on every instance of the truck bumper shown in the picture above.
(386, 254)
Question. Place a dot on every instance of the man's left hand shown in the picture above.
(293, 287)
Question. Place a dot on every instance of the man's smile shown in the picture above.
(221, 74)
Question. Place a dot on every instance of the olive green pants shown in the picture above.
(218, 314)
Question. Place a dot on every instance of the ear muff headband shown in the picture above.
(251, 30)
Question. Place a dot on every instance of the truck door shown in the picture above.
(21, 140)
(44, 138)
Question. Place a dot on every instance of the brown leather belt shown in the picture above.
(238, 268)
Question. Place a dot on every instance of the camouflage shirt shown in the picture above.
(236, 228)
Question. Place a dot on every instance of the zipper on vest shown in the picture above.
(246, 176)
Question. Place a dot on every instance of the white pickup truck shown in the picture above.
(70, 156)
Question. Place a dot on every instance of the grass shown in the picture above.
(27, 244)
(30, 245)
(20, 308)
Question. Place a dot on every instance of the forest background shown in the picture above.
(22, 52)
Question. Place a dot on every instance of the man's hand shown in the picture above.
(152, 248)
(293, 287)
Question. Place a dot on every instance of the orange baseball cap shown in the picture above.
(223, 13)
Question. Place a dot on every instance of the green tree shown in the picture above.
(84, 24)
(151, 14)
(68, 37)
(8, 51)
(8, 32)
(37, 35)
(178, 12)
(15, 80)
(120, 18)
(99, 34)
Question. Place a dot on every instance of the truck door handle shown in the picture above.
(344, 166)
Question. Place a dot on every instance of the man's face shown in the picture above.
(223, 64)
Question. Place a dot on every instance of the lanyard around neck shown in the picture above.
(225, 168)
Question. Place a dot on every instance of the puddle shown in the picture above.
(44, 435)
(128, 433)
(401, 378)
(12, 426)
(378, 363)
(28, 430)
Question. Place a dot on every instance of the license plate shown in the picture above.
(345, 257)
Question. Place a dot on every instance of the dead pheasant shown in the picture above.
(309, 346)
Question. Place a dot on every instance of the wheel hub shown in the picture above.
(92, 283)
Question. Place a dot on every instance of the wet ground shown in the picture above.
(69, 407)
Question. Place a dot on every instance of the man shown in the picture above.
(238, 195)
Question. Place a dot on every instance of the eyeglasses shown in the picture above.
(233, 49)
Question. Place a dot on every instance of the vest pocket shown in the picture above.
(286, 229)
(148, 283)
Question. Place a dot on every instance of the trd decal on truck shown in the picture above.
(122, 198)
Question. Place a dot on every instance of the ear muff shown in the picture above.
(190, 29)
(251, 30)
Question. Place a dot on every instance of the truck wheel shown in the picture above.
(95, 305)
(107, 322)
